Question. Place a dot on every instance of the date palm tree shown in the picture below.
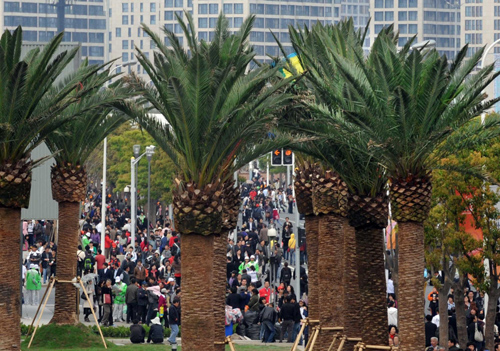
(408, 103)
(217, 117)
(91, 120)
(28, 115)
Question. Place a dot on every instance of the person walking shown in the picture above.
(119, 289)
(47, 262)
(174, 320)
(267, 318)
(287, 315)
(107, 303)
(131, 300)
(33, 285)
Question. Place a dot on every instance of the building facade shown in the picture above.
(84, 22)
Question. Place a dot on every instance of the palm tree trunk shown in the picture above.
(460, 314)
(219, 289)
(312, 227)
(65, 297)
(10, 333)
(331, 275)
(410, 294)
(372, 287)
(198, 293)
(352, 292)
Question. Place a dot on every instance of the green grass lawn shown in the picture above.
(151, 347)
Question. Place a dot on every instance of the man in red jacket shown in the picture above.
(265, 291)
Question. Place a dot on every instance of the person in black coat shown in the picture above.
(137, 332)
(233, 299)
(105, 273)
(430, 330)
(156, 331)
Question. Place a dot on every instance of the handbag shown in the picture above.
(107, 299)
(83, 296)
(478, 336)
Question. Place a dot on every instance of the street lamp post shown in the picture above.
(133, 192)
(104, 166)
(150, 150)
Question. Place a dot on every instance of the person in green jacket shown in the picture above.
(33, 285)
(119, 290)
(85, 241)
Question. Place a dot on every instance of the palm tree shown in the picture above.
(408, 103)
(27, 116)
(346, 153)
(215, 111)
(91, 120)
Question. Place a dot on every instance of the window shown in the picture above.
(272, 23)
(50, 22)
(429, 28)
(125, 7)
(379, 4)
(259, 23)
(272, 50)
(202, 22)
(124, 44)
(378, 28)
(403, 28)
(429, 15)
(30, 35)
(285, 37)
(141, 44)
(124, 20)
(202, 9)
(9, 6)
(497, 25)
(179, 3)
(301, 23)
(238, 9)
(129, 32)
(80, 37)
(287, 10)
(97, 23)
(403, 3)
(212, 22)
(170, 27)
(45, 8)
(257, 8)
(402, 16)
(96, 10)
(389, 4)
(168, 3)
(412, 29)
(259, 49)
(30, 7)
(97, 51)
(412, 3)
(141, 6)
(379, 16)
(412, 15)
(238, 22)
(131, 7)
(228, 8)
(125, 57)
(76, 23)
(213, 9)
(169, 15)
(285, 22)
(95, 37)
(270, 38)
(152, 45)
(272, 10)
(402, 41)
(497, 10)
(203, 36)
(152, 19)
(257, 36)
(46, 36)
(389, 16)
(118, 33)
(152, 7)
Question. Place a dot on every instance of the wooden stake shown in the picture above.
(41, 313)
(335, 338)
(342, 342)
(38, 309)
(93, 313)
(230, 342)
(313, 341)
(297, 340)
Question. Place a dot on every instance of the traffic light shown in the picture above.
(287, 157)
(276, 158)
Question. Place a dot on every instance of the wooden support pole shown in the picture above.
(93, 313)
(313, 341)
(342, 342)
(337, 336)
(39, 305)
(41, 313)
(297, 340)
(333, 328)
(230, 342)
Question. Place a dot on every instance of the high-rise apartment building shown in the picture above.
(84, 22)
(427, 19)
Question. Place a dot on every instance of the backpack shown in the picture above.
(285, 275)
(478, 335)
(87, 263)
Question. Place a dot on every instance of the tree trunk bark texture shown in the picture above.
(443, 315)
(219, 289)
(331, 276)
(372, 286)
(312, 262)
(353, 322)
(67, 246)
(10, 235)
(410, 295)
(200, 298)
(460, 315)
(489, 337)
